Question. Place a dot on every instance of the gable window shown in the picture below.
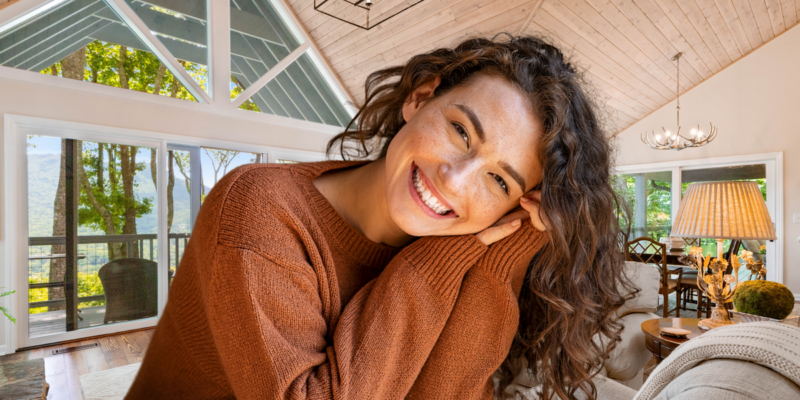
(167, 48)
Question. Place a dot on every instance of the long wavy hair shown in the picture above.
(575, 283)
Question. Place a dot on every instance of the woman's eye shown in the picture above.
(462, 132)
(501, 182)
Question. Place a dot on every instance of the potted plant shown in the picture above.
(763, 252)
(5, 310)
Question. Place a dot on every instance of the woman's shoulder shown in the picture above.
(258, 202)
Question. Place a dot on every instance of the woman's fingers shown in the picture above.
(495, 233)
(517, 213)
(532, 203)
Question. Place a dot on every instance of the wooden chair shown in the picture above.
(689, 286)
(648, 251)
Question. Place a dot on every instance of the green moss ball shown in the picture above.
(764, 298)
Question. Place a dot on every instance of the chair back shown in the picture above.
(648, 251)
(131, 289)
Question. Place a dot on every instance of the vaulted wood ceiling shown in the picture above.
(625, 46)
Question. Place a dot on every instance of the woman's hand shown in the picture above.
(532, 203)
(530, 207)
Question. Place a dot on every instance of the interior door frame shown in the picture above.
(774, 169)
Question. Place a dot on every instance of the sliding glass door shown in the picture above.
(92, 234)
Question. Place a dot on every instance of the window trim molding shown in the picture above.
(774, 164)
(14, 200)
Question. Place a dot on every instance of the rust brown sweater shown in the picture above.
(278, 297)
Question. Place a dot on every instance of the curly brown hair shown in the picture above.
(573, 286)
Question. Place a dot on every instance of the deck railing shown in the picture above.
(90, 248)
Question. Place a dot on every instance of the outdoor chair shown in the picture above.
(648, 251)
(131, 289)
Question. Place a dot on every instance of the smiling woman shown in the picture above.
(477, 233)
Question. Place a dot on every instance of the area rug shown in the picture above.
(111, 384)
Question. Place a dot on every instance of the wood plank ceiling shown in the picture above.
(624, 46)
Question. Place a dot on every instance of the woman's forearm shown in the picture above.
(481, 328)
(379, 345)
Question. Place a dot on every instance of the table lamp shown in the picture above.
(722, 210)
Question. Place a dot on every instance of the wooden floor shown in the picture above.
(63, 371)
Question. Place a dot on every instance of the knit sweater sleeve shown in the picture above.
(269, 318)
(481, 328)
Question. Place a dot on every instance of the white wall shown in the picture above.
(29, 94)
(755, 103)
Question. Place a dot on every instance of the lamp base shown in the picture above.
(719, 317)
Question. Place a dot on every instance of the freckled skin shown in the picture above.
(461, 174)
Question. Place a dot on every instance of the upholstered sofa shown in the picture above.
(758, 360)
(625, 366)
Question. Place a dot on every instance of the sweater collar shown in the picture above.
(352, 243)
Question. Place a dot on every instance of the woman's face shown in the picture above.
(463, 159)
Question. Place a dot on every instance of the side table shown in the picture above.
(662, 346)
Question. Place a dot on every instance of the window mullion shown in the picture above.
(677, 184)
(219, 52)
(140, 29)
(272, 73)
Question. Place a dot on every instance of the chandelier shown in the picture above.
(357, 12)
(676, 141)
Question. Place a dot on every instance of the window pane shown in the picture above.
(215, 163)
(85, 40)
(259, 39)
(179, 203)
(300, 92)
(649, 197)
(115, 241)
(182, 29)
(753, 173)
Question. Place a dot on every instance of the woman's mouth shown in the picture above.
(425, 197)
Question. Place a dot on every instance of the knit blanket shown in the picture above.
(769, 344)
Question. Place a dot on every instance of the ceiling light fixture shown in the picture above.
(360, 16)
(677, 141)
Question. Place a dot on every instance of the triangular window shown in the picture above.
(299, 92)
(86, 40)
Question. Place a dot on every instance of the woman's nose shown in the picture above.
(455, 175)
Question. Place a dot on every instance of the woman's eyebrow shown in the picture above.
(474, 120)
(514, 174)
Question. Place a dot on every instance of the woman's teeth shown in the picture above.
(427, 197)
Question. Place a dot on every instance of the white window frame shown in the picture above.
(15, 203)
(774, 169)
(217, 100)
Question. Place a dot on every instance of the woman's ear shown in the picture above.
(419, 96)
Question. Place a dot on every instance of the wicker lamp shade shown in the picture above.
(724, 210)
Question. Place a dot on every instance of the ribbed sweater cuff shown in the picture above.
(502, 256)
(444, 260)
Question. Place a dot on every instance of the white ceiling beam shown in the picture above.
(142, 31)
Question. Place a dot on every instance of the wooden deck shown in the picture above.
(51, 322)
